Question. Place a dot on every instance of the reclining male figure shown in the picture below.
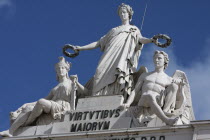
(152, 85)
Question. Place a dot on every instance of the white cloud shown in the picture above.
(7, 8)
(199, 78)
(5, 3)
(198, 74)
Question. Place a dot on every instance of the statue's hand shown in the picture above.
(176, 80)
(74, 78)
(154, 41)
(57, 116)
(77, 48)
(124, 106)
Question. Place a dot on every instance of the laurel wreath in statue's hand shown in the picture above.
(68, 54)
(162, 36)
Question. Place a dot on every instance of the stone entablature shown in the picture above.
(196, 130)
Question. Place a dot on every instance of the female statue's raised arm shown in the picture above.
(88, 47)
(144, 40)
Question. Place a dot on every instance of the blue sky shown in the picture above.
(32, 34)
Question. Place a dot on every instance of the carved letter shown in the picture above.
(85, 115)
(100, 124)
(91, 114)
(71, 115)
(94, 126)
(117, 113)
(106, 125)
(73, 127)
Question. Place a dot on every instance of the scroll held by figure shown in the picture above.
(160, 95)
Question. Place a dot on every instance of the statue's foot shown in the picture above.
(5, 134)
(172, 122)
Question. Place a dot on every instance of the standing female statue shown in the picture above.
(121, 48)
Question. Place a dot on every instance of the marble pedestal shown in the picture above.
(92, 114)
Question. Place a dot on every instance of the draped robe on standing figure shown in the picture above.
(121, 51)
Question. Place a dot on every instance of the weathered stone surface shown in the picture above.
(61, 127)
(100, 102)
(44, 129)
(26, 131)
(197, 130)
(123, 122)
(156, 122)
(66, 117)
(91, 125)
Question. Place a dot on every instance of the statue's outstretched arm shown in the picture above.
(144, 40)
(88, 47)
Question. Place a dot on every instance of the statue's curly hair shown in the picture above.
(128, 8)
(166, 59)
(63, 63)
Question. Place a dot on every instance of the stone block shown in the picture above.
(44, 129)
(115, 122)
(156, 122)
(204, 134)
(100, 102)
(46, 119)
(123, 122)
(61, 127)
(65, 117)
(26, 131)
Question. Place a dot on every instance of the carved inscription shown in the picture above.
(98, 116)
